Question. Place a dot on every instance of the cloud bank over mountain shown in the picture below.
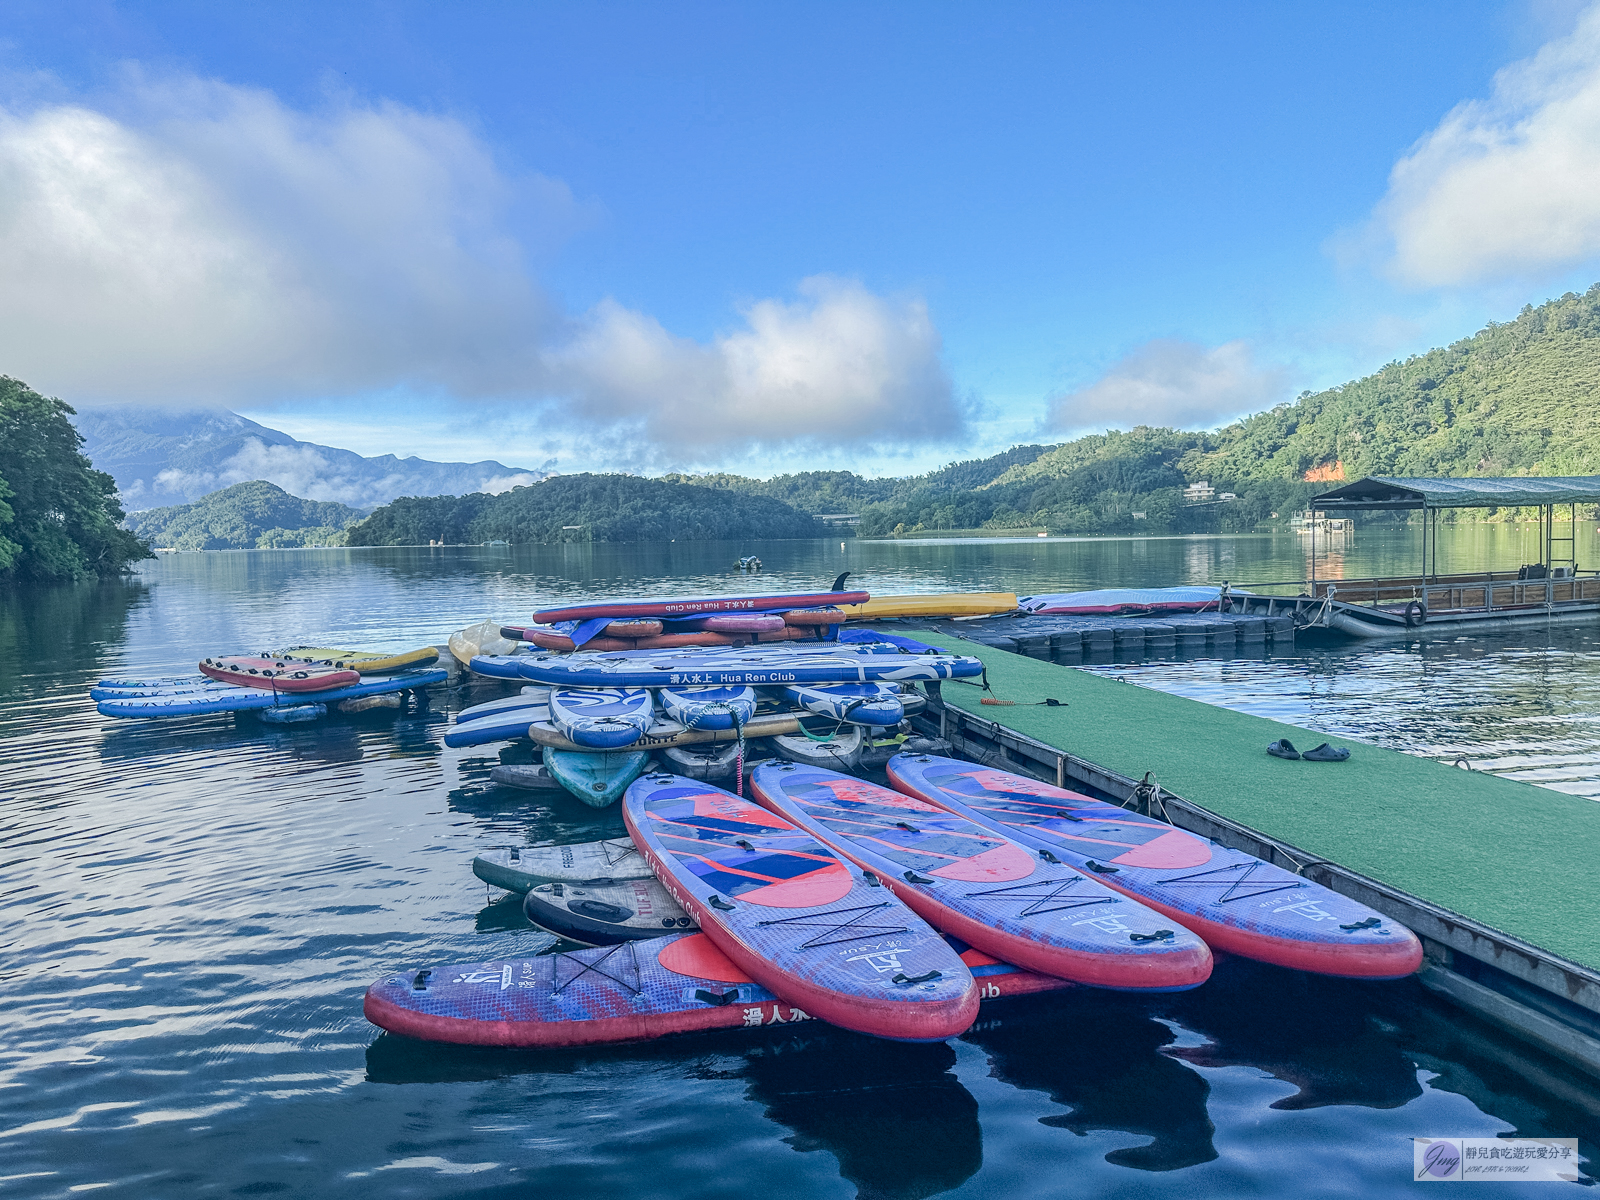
(190, 242)
(162, 457)
(1167, 382)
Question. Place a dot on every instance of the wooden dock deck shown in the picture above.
(1497, 876)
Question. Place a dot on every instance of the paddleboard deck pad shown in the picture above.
(1238, 903)
(792, 915)
(1126, 600)
(234, 699)
(605, 913)
(994, 893)
(633, 992)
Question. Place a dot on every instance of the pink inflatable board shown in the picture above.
(633, 992)
(1001, 897)
(790, 914)
(756, 622)
(1236, 902)
(692, 606)
(276, 674)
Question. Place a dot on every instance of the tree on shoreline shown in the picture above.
(59, 517)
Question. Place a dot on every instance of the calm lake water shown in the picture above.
(194, 908)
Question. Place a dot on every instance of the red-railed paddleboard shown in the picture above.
(1238, 903)
(277, 674)
(676, 984)
(547, 640)
(997, 895)
(693, 606)
(791, 914)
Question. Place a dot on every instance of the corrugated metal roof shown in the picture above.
(1398, 492)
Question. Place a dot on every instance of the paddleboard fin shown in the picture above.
(838, 584)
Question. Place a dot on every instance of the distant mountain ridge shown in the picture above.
(162, 456)
(247, 516)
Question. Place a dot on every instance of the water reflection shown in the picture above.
(1308, 1031)
(1105, 1058)
(894, 1116)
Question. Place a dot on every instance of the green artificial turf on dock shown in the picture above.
(1522, 859)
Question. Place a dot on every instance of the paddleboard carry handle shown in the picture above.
(720, 999)
(1101, 870)
(1158, 936)
(910, 979)
(1369, 923)
(1048, 857)
(419, 981)
(719, 903)
(913, 877)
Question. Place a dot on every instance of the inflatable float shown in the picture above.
(368, 662)
(680, 983)
(757, 667)
(1004, 898)
(691, 606)
(1237, 903)
(236, 699)
(276, 674)
(1126, 600)
(790, 914)
(519, 868)
(604, 912)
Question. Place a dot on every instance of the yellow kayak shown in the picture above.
(944, 604)
(368, 662)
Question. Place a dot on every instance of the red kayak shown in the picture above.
(694, 606)
(277, 674)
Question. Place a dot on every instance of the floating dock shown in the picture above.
(1497, 877)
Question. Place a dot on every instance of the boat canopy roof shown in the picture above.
(1382, 492)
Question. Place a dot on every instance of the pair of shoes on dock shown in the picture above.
(1284, 748)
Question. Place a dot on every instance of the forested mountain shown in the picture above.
(246, 516)
(1516, 398)
(584, 508)
(175, 456)
(59, 517)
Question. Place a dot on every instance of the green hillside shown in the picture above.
(247, 516)
(1516, 398)
(584, 508)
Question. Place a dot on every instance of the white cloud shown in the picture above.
(223, 248)
(840, 365)
(207, 244)
(1506, 188)
(1171, 382)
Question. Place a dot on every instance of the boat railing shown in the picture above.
(1480, 591)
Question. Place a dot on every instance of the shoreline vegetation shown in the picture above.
(60, 519)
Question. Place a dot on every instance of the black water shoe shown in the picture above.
(1283, 748)
(1326, 753)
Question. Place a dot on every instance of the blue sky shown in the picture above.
(761, 237)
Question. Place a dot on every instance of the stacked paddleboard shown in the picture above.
(286, 686)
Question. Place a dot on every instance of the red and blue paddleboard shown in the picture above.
(1237, 902)
(694, 606)
(997, 895)
(633, 992)
(789, 913)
